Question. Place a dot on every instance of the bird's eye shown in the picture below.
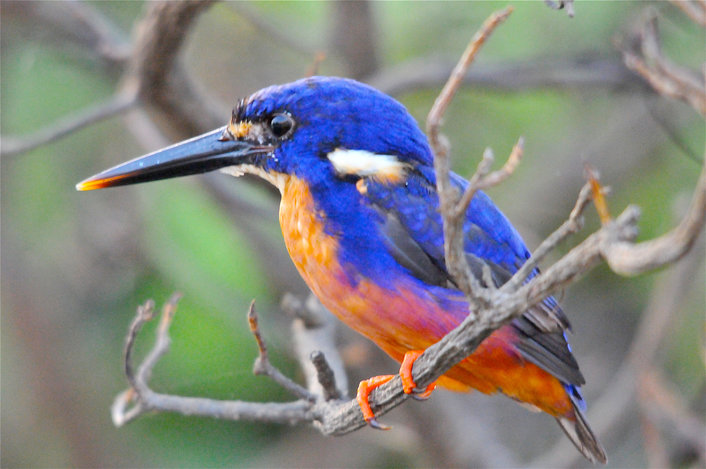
(281, 124)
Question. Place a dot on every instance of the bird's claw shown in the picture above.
(377, 425)
(408, 384)
(363, 395)
(425, 394)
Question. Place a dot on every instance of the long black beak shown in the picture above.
(201, 154)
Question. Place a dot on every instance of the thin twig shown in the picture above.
(482, 180)
(314, 333)
(448, 195)
(119, 103)
(572, 225)
(145, 312)
(325, 376)
(668, 78)
(263, 366)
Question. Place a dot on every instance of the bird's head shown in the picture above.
(316, 129)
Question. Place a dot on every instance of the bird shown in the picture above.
(360, 218)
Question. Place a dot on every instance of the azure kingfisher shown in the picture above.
(360, 217)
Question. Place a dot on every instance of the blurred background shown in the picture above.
(76, 265)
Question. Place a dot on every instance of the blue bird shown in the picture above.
(360, 217)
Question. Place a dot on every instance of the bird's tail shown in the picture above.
(581, 435)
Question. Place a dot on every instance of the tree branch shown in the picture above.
(448, 195)
(643, 55)
(119, 103)
(155, 74)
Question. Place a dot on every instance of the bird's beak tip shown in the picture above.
(200, 154)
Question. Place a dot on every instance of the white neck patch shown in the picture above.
(276, 179)
(363, 163)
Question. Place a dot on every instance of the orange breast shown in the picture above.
(406, 318)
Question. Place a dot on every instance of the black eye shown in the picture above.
(281, 125)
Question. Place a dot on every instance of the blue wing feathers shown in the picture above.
(411, 227)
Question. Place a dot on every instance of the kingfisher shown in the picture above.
(360, 218)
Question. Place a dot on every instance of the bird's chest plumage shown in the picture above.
(303, 227)
(391, 316)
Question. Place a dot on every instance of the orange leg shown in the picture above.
(364, 390)
(408, 384)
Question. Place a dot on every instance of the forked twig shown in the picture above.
(448, 194)
(263, 366)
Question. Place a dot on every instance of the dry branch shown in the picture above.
(119, 103)
(155, 74)
(643, 55)
(448, 196)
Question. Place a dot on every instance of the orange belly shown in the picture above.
(406, 318)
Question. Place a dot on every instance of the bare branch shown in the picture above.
(154, 71)
(448, 195)
(313, 333)
(481, 180)
(580, 74)
(617, 398)
(634, 259)
(643, 55)
(144, 399)
(118, 104)
(263, 366)
(572, 225)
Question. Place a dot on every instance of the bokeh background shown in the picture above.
(76, 265)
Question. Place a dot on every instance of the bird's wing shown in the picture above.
(411, 227)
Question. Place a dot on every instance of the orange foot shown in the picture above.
(408, 385)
